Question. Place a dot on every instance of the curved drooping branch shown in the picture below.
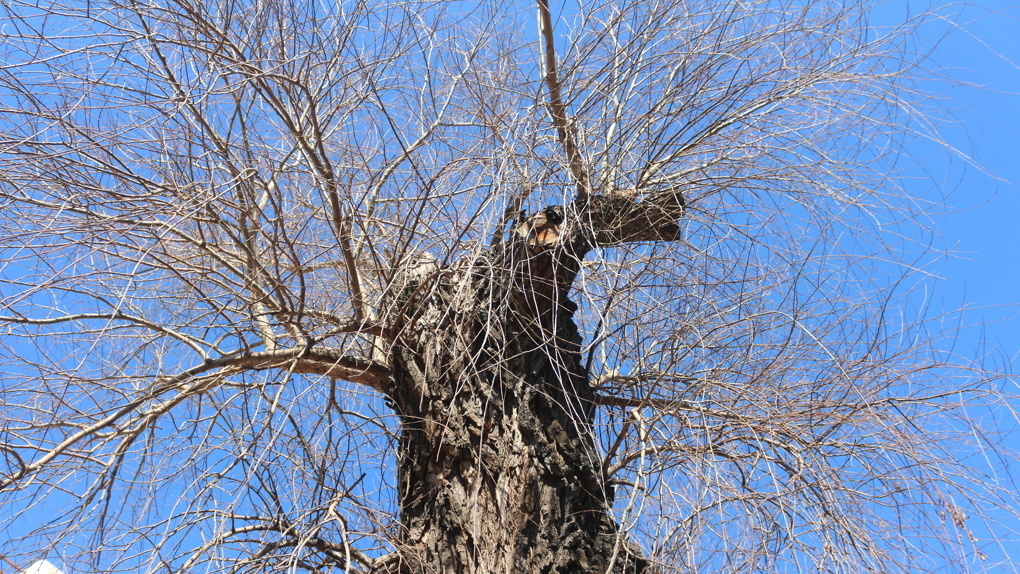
(149, 404)
(325, 361)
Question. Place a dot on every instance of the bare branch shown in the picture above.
(293, 289)
(195, 343)
(565, 131)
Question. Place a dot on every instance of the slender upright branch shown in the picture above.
(564, 130)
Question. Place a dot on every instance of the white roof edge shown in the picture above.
(42, 567)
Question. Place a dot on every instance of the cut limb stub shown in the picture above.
(498, 464)
(619, 217)
(603, 220)
(542, 230)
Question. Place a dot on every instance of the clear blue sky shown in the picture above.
(982, 274)
(982, 228)
(984, 232)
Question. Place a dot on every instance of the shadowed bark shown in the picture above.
(498, 466)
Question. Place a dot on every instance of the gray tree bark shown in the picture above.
(499, 470)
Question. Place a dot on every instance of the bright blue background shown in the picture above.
(981, 227)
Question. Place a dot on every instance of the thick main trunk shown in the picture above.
(498, 466)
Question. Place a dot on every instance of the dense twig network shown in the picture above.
(474, 287)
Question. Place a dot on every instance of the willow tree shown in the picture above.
(470, 288)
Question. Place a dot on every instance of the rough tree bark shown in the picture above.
(498, 466)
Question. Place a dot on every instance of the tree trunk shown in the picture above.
(498, 466)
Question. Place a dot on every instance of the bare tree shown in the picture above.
(474, 287)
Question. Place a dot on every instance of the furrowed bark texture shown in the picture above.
(498, 466)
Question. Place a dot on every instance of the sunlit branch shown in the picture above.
(325, 361)
(743, 115)
(254, 268)
(198, 553)
(313, 152)
(321, 361)
(195, 344)
(619, 218)
(565, 131)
